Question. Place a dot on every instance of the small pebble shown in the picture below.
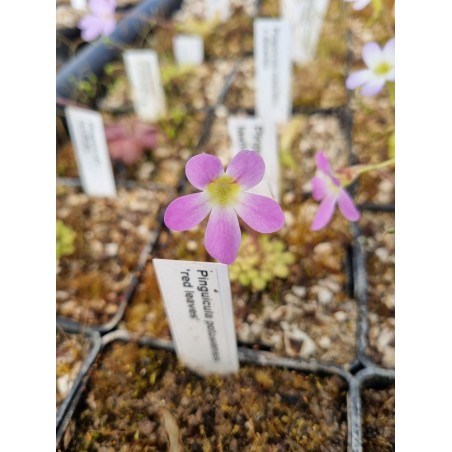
(325, 342)
(299, 291)
(340, 316)
(389, 301)
(191, 245)
(325, 295)
(111, 249)
(382, 254)
(385, 338)
(63, 384)
(279, 313)
(291, 298)
(289, 197)
(290, 219)
(324, 249)
(298, 343)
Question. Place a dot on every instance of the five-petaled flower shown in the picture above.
(224, 196)
(101, 21)
(359, 4)
(328, 189)
(380, 63)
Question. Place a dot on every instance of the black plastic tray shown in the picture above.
(362, 371)
(94, 339)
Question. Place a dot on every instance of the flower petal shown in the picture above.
(389, 52)
(373, 86)
(358, 78)
(390, 76)
(223, 236)
(91, 28)
(260, 213)
(324, 212)
(203, 169)
(322, 163)
(319, 188)
(372, 54)
(347, 206)
(108, 26)
(186, 212)
(102, 7)
(247, 168)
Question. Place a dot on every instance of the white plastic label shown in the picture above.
(221, 8)
(258, 135)
(188, 49)
(197, 299)
(86, 130)
(272, 46)
(306, 19)
(79, 4)
(143, 73)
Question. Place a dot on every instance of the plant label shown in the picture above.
(306, 20)
(79, 4)
(198, 304)
(86, 130)
(188, 49)
(273, 69)
(143, 73)
(220, 8)
(258, 135)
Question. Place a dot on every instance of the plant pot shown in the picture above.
(372, 402)
(112, 239)
(269, 403)
(75, 353)
(374, 288)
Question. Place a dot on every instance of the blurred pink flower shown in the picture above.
(381, 68)
(327, 188)
(224, 196)
(359, 4)
(128, 139)
(101, 21)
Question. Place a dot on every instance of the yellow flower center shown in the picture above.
(382, 69)
(223, 191)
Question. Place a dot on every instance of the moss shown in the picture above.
(379, 419)
(257, 409)
(146, 314)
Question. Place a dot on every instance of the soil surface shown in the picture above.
(110, 235)
(71, 351)
(309, 314)
(379, 244)
(378, 419)
(256, 409)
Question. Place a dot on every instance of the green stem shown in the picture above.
(361, 169)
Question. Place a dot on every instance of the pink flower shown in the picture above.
(328, 189)
(129, 138)
(224, 196)
(101, 21)
(380, 64)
